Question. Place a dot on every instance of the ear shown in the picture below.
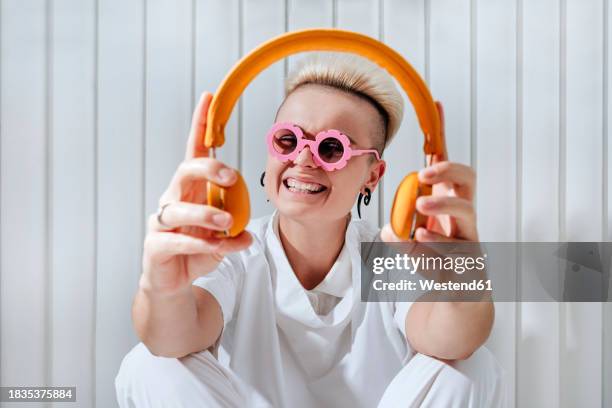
(376, 171)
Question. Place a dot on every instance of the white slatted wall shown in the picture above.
(96, 98)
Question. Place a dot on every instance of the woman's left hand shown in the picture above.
(452, 218)
(450, 208)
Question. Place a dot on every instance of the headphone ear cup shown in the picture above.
(420, 219)
(234, 200)
(404, 206)
(403, 210)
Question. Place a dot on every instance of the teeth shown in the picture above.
(304, 187)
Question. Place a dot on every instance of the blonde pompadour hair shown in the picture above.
(353, 74)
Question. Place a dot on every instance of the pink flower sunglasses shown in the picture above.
(330, 149)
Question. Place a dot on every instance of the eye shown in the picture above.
(331, 150)
(284, 141)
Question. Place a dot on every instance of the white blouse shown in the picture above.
(299, 348)
(328, 293)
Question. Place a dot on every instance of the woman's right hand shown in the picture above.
(185, 248)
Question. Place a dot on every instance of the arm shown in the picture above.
(171, 316)
(177, 324)
(449, 330)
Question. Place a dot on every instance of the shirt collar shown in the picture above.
(338, 280)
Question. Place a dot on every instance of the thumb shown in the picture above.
(195, 143)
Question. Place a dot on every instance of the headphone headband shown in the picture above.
(266, 54)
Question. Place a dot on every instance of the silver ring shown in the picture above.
(160, 212)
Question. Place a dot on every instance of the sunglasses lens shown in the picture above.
(284, 141)
(331, 150)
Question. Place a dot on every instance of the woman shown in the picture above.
(282, 298)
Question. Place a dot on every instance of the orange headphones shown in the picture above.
(235, 199)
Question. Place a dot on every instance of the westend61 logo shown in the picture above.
(508, 271)
(414, 264)
(412, 271)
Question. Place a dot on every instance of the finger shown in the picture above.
(162, 245)
(444, 224)
(459, 174)
(206, 168)
(455, 206)
(237, 243)
(195, 142)
(460, 209)
(183, 214)
(424, 235)
(198, 169)
(387, 235)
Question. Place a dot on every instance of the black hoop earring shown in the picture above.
(366, 200)
(261, 181)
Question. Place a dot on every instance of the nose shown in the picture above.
(305, 158)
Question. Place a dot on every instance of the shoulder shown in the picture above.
(237, 261)
(258, 228)
(363, 230)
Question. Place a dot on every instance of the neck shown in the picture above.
(311, 247)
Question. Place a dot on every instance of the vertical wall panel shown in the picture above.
(496, 126)
(358, 15)
(217, 49)
(23, 194)
(538, 340)
(404, 31)
(450, 23)
(262, 21)
(607, 312)
(581, 362)
(362, 16)
(73, 196)
(496, 153)
(169, 93)
(316, 13)
(301, 15)
(78, 177)
(120, 142)
(540, 120)
(608, 115)
(607, 358)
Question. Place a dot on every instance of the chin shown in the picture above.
(300, 211)
(311, 213)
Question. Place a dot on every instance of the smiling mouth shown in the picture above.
(296, 186)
